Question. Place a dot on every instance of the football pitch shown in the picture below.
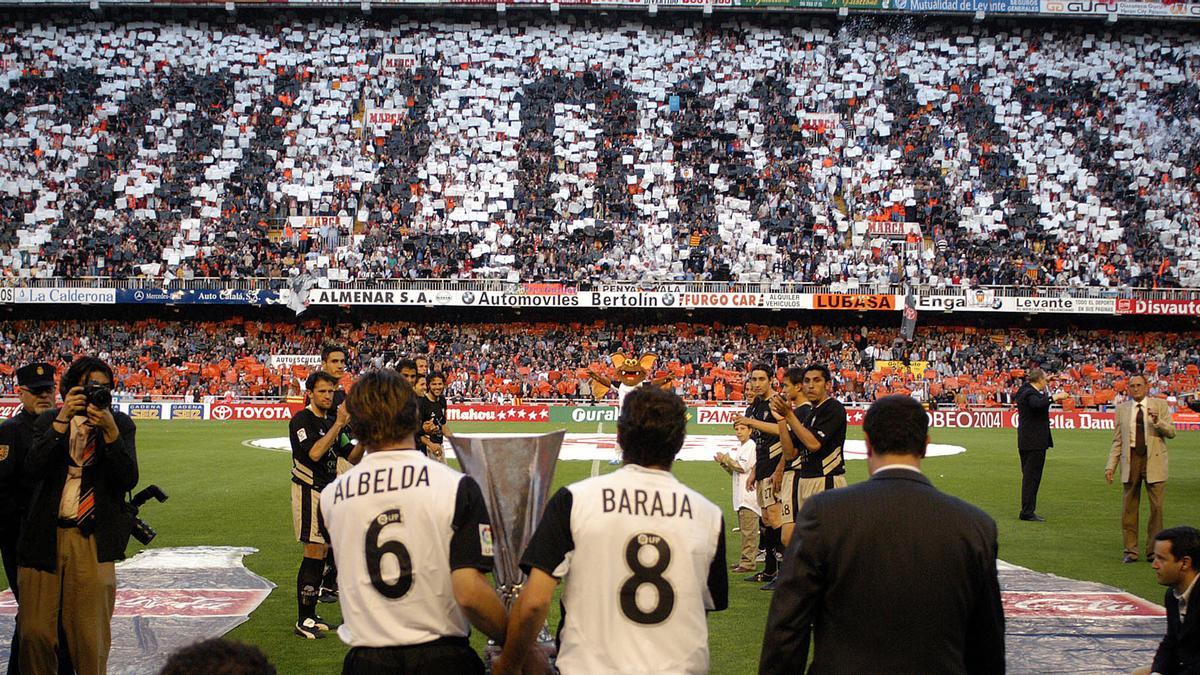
(223, 492)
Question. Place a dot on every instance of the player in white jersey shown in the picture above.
(641, 557)
(413, 543)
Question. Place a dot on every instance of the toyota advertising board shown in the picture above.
(253, 411)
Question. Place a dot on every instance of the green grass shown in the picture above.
(224, 493)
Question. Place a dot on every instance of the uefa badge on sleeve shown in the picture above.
(485, 539)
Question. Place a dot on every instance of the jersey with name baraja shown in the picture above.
(399, 523)
(642, 558)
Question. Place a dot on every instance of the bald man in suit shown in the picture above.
(1139, 445)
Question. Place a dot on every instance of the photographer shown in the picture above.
(82, 462)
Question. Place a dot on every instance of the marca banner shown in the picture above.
(397, 63)
(384, 117)
(497, 413)
(892, 230)
(343, 223)
(1159, 307)
(168, 598)
(288, 360)
(224, 296)
(254, 411)
(858, 303)
(55, 295)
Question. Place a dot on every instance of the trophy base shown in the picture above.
(544, 643)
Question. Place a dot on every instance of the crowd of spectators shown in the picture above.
(507, 361)
(598, 148)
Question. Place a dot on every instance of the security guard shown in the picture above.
(35, 387)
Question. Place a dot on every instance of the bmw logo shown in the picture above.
(668, 299)
(468, 298)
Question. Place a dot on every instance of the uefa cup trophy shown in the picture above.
(515, 473)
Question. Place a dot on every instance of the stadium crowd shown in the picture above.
(502, 362)
(594, 148)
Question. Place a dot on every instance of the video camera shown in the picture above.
(141, 529)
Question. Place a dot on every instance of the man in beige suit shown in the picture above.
(1140, 435)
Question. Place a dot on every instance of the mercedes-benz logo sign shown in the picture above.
(139, 295)
(468, 298)
(222, 412)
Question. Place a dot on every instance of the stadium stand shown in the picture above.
(956, 365)
(591, 148)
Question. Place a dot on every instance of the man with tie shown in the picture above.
(1175, 551)
(82, 462)
(1143, 425)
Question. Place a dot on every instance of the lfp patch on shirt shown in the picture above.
(301, 435)
(485, 540)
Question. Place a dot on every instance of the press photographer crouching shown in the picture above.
(82, 462)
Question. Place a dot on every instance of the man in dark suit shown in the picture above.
(891, 574)
(1033, 437)
(1176, 551)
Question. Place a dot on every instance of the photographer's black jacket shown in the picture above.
(115, 472)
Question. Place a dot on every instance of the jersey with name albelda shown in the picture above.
(642, 558)
(399, 523)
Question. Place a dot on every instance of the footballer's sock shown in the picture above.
(308, 586)
(330, 579)
(773, 539)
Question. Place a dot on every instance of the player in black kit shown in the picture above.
(333, 361)
(316, 446)
(431, 409)
(769, 452)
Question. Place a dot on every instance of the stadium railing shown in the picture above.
(497, 285)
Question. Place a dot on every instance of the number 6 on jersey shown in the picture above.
(376, 551)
